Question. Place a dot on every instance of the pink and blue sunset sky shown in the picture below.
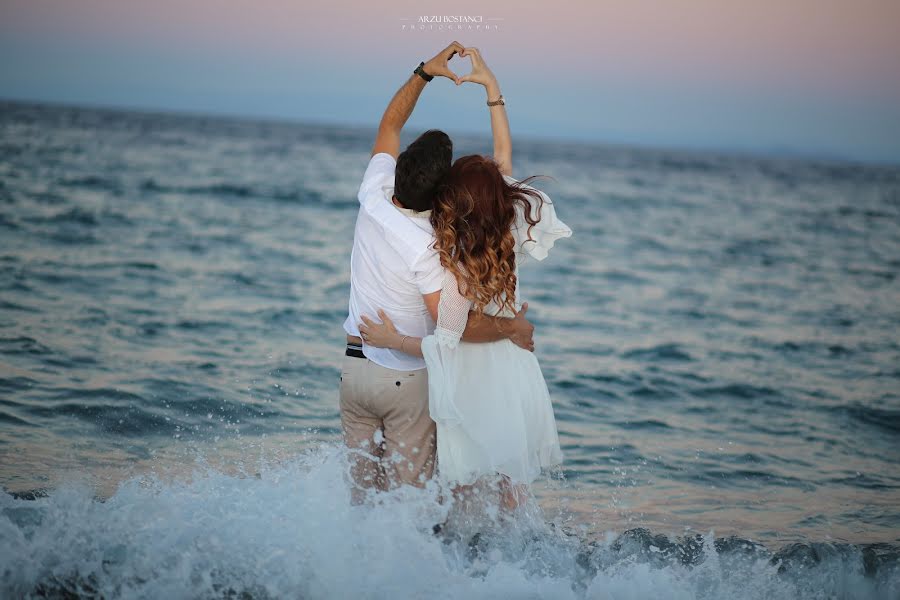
(818, 77)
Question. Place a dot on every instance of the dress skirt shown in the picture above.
(492, 409)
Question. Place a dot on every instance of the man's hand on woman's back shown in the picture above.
(521, 330)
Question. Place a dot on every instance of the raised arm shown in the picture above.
(404, 101)
(499, 121)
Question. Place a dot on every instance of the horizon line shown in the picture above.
(786, 153)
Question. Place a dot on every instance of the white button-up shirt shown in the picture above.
(392, 265)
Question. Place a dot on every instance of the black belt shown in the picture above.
(355, 351)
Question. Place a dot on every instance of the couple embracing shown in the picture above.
(439, 378)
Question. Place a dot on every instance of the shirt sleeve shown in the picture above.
(379, 172)
(428, 273)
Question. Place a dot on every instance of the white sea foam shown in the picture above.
(289, 530)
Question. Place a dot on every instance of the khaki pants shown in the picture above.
(385, 420)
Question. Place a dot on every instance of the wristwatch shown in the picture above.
(498, 102)
(420, 71)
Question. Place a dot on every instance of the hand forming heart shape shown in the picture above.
(480, 73)
(437, 66)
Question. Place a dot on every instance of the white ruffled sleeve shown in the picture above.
(545, 233)
(440, 352)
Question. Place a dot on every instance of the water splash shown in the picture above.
(288, 529)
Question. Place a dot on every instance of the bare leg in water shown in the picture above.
(512, 496)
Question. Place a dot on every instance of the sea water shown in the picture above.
(720, 339)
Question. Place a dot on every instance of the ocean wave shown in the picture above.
(659, 352)
(288, 529)
(299, 195)
(94, 182)
(74, 215)
(885, 419)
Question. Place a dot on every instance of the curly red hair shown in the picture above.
(473, 215)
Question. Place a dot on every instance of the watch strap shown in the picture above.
(420, 71)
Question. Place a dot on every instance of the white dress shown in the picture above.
(490, 401)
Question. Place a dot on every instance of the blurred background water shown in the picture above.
(720, 335)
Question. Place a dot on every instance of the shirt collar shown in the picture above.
(415, 214)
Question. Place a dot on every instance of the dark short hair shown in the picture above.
(421, 167)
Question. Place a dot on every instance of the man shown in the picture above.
(384, 393)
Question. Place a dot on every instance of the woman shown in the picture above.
(489, 401)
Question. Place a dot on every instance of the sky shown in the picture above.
(809, 77)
